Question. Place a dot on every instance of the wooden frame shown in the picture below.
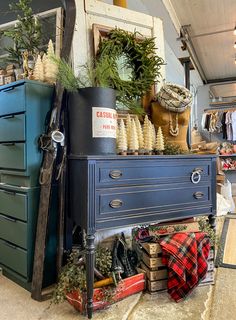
(59, 26)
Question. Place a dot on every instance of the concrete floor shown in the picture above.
(211, 302)
(217, 302)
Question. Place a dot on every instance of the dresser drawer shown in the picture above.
(12, 156)
(12, 127)
(13, 204)
(139, 172)
(13, 257)
(12, 99)
(120, 202)
(14, 231)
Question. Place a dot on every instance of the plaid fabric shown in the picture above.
(185, 255)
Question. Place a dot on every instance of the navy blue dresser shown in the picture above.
(107, 192)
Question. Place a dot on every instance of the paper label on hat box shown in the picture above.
(104, 122)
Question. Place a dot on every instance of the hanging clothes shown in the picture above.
(233, 118)
(228, 121)
(224, 125)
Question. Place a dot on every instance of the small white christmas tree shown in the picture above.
(159, 146)
(148, 136)
(122, 138)
(38, 73)
(140, 133)
(153, 131)
(133, 143)
(145, 127)
(128, 128)
(50, 67)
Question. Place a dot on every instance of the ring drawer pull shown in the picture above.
(116, 203)
(196, 175)
(198, 195)
(115, 174)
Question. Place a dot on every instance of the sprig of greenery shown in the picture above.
(73, 274)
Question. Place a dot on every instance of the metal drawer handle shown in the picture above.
(116, 203)
(115, 174)
(8, 144)
(9, 219)
(8, 117)
(12, 193)
(8, 89)
(198, 195)
(10, 245)
(196, 175)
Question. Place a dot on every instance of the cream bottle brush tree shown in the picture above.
(133, 143)
(147, 133)
(50, 67)
(122, 139)
(140, 134)
(38, 73)
(159, 146)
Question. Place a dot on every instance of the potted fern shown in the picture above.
(91, 107)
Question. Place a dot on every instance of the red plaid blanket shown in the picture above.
(185, 255)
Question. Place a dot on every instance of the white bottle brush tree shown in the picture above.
(160, 146)
(133, 143)
(122, 139)
(140, 134)
(50, 67)
(128, 129)
(148, 136)
(38, 73)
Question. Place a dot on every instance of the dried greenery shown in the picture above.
(73, 274)
(172, 149)
(206, 227)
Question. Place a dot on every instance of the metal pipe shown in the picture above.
(120, 3)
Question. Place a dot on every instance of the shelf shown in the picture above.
(222, 104)
(227, 155)
(225, 170)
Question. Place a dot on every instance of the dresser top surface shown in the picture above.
(141, 157)
(23, 81)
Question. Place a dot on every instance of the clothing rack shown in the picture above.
(212, 110)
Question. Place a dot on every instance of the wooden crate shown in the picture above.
(156, 274)
(155, 286)
(152, 263)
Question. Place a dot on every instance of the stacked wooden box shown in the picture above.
(151, 262)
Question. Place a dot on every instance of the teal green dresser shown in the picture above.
(24, 106)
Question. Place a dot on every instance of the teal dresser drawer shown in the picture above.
(14, 231)
(13, 204)
(12, 156)
(12, 127)
(13, 257)
(12, 99)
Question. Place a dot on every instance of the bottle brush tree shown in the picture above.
(159, 147)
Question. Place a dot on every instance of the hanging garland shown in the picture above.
(141, 58)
